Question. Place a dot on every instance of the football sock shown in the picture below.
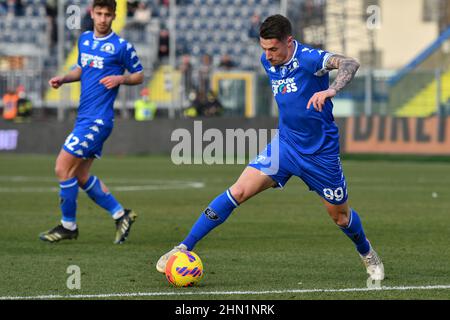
(215, 214)
(106, 200)
(68, 199)
(355, 232)
(72, 226)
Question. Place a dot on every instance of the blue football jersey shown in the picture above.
(293, 84)
(99, 58)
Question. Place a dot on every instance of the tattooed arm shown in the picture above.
(347, 68)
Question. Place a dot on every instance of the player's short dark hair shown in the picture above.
(111, 4)
(275, 27)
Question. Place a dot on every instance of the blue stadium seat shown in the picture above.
(6, 37)
(209, 48)
(196, 50)
(181, 12)
(29, 10)
(213, 2)
(191, 11)
(184, 24)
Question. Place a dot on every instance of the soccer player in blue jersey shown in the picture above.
(307, 145)
(103, 58)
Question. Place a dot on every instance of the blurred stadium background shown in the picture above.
(201, 57)
(201, 60)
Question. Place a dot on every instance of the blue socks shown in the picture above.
(222, 206)
(68, 199)
(215, 214)
(105, 200)
(355, 232)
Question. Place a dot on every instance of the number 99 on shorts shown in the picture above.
(334, 195)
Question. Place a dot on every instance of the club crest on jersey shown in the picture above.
(89, 60)
(284, 86)
(108, 47)
(294, 65)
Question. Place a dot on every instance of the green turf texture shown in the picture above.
(279, 240)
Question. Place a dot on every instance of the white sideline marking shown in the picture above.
(141, 185)
(221, 293)
(193, 185)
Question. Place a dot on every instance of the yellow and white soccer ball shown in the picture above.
(184, 269)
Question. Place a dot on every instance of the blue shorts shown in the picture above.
(87, 138)
(322, 173)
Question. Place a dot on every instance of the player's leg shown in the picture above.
(350, 223)
(250, 183)
(65, 169)
(100, 194)
(97, 190)
(324, 175)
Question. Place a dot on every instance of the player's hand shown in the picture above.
(56, 82)
(318, 99)
(112, 81)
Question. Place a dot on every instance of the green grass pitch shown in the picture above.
(281, 240)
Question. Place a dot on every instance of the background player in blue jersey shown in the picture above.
(307, 145)
(103, 58)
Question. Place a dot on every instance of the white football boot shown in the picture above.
(373, 264)
(161, 264)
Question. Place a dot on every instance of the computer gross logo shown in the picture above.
(284, 86)
(91, 61)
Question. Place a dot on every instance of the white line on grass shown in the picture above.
(221, 293)
(129, 185)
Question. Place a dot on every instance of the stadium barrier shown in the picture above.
(385, 135)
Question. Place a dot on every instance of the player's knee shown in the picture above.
(342, 221)
(63, 172)
(340, 218)
(239, 193)
(339, 213)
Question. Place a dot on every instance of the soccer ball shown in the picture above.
(184, 269)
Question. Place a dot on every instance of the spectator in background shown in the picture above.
(24, 105)
(226, 62)
(131, 7)
(10, 99)
(186, 76)
(212, 107)
(142, 14)
(144, 109)
(14, 8)
(204, 75)
(52, 12)
(255, 22)
(140, 18)
(163, 52)
(204, 105)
